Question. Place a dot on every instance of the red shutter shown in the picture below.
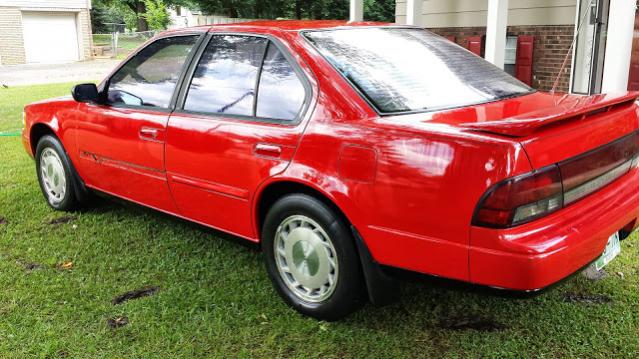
(475, 44)
(451, 38)
(523, 63)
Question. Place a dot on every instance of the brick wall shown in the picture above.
(551, 46)
(85, 38)
(11, 47)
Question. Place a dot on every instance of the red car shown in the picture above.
(346, 149)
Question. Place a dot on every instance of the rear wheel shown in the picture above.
(311, 257)
(59, 186)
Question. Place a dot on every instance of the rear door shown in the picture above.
(238, 122)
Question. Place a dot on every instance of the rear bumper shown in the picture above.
(537, 254)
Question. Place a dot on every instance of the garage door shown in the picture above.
(50, 37)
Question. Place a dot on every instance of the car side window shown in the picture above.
(225, 78)
(149, 78)
(280, 94)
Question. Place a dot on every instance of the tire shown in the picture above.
(59, 183)
(307, 243)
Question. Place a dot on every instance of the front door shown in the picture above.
(238, 124)
(121, 142)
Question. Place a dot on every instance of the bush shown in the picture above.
(156, 15)
(102, 16)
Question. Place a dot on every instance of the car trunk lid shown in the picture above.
(575, 125)
(567, 108)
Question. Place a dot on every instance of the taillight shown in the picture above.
(524, 198)
(521, 199)
(585, 174)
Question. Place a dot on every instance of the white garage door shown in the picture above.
(50, 37)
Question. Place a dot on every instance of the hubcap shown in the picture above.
(53, 176)
(306, 258)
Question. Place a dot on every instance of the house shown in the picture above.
(533, 39)
(184, 17)
(44, 31)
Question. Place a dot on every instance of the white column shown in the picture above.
(621, 23)
(497, 20)
(357, 10)
(413, 12)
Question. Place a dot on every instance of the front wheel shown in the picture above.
(54, 175)
(311, 257)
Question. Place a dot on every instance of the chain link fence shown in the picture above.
(119, 44)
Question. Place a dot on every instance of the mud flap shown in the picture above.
(382, 288)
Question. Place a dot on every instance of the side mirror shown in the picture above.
(85, 93)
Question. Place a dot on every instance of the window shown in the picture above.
(149, 78)
(225, 78)
(510, 55)
(403, 70)
(280, 93)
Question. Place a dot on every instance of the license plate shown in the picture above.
(613, 248)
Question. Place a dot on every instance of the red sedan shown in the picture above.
(346, 149)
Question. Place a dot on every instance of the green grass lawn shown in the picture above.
(59, 273)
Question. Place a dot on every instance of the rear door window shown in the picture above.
(226, 76)
(247, 76)
(280, 93)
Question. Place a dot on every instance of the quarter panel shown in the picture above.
(416, 213)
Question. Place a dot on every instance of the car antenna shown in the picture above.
(569, 52)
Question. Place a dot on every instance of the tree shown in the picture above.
(103, 14)
(156, 15)
(374, 10)
(379, 10)
(138, 9)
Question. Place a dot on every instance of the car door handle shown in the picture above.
(262, 149)
(150, 134)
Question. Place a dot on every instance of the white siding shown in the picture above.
(462, 13)
(49, 4)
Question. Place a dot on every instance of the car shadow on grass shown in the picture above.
(439, 306)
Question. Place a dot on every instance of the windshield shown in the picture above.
(406, 70)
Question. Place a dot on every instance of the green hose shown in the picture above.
(14, 133)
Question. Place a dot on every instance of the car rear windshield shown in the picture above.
(409, 70)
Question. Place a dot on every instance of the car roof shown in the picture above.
(286, 25)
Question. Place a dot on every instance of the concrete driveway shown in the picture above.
(32, 74)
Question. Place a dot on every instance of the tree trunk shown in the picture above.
(257, 9)
(140, 12)
(298, 9)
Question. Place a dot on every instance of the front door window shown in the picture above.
(149, 78)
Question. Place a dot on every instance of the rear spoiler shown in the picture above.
(527, 123)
